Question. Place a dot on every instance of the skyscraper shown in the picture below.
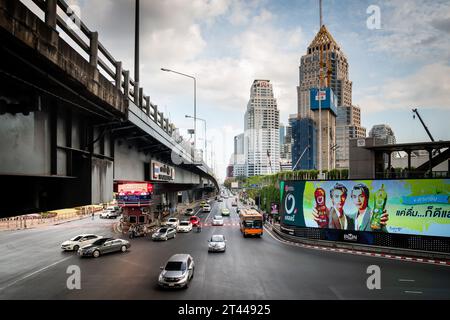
(325, 65)
(239, 159)
(383, 131)
(282, 134)
(348, 126)
(304, 134)
(262, 125)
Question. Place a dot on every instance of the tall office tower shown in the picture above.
(348, 126)
(383, 131)
(304, 135)
(282, 133)
(262, 130)
(324, 54)
(239, 159)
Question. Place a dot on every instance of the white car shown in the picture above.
(172, 222)
(184, 226)
(206, 208)
(217, 243)
(217, 221)
(110, 212)
(79, 241)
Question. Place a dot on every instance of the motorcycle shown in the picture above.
(137, 231)
(198, 228)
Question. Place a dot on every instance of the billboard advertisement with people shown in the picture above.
(415, 207)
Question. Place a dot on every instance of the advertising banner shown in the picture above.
(327, 99)
(274, 208)
(415, 207)
(161, 171)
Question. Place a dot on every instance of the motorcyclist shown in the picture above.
(199, 227)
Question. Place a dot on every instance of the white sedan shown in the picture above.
(172, 222)
(184, 226)
(217, 221)
(79, 241)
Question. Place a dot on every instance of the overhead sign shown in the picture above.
(413, 206)
(235, 185)
(161, 171)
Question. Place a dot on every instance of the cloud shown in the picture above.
(410, 29)
(429, 87)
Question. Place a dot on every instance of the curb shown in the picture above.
(276, 234)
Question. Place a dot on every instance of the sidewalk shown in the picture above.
(54, 217)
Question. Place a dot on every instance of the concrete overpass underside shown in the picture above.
(65, 133)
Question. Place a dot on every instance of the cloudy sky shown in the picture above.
(226, 44)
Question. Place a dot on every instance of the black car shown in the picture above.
(102, 246)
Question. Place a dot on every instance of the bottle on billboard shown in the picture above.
(321, 208)
(379, 206)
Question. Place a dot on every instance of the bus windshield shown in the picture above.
(253, 224)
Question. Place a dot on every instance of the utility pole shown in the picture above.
(136, 46)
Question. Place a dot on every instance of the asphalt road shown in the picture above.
(33, 267)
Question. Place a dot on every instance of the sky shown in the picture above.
(226, 44)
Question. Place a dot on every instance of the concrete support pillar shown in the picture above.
(126, 83)
(136, 93)
(50, 13)
(430, 157)
(119, 75)
(409, 161)
(155, 115)
(147, 105)
(141, 97)
(93, 56)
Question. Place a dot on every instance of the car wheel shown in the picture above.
(76, 247)
(123, 248)
(96, 254)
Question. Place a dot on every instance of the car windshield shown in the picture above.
(218, 217)
(172, 220)
(189, 210)
(217, 238)
(100, 241)
(175, 266)
(162, 230)
(76, 238)
(184, 223)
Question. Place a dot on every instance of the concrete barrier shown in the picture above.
(361, 247)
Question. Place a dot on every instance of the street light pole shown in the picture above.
(136, 44)
(195, 100)
(187, 116)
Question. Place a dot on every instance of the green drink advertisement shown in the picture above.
(416, 207)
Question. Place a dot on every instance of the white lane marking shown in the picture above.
(406, 280)
(416, 292)
(35, 272)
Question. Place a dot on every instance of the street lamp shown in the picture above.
(195, 99)
(187, 116)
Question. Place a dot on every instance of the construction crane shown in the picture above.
(423, 123)
(426, 128)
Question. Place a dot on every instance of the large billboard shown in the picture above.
(417, 207)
